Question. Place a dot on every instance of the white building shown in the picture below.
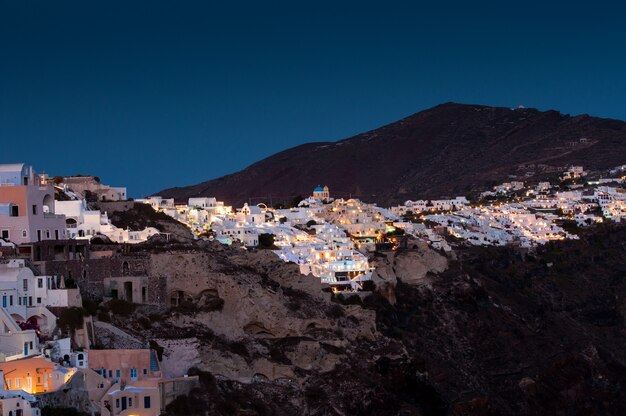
(26, 296)
(321, 192)
(17, 403)
(16, 343)
(251, 214)
(27, 206)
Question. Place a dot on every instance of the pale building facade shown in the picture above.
(27, 212)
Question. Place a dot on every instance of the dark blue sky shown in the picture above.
(155, 94)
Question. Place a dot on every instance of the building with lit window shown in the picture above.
(27, 206)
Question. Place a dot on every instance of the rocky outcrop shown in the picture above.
(495, 330)
(245, 316)
(410, 266)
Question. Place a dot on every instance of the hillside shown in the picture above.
(496, 331)
(447, 150)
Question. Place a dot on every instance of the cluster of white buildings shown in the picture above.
(25, 322)
(30, 213)
(316, 235)
(574, 172)
(83, 223)
(500, 225)
(426, 205)
(531, 219)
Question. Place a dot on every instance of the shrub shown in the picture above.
(335, 311)
(121, 307)
(155, 317)
(72, 318)
(104, 316)
(144, 322)
(315, 395)
(184, 405)
(296, 201)
(206, 378)
(266, 240)
(91, 306)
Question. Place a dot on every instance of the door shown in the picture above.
(123, 403)
(38, 235)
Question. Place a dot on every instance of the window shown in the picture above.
(18, 383)
(19, 301)
(145, 371)
(48, 234)
(130, 402)
(146, 402)
(117, 373)
(40, 283)
(24, 233)
(110, 373)
(34, 209)
(133, 373)
(38, 301)
(10, 300)
(117, 403)
(5, 234)
(15, 211)
(25, 285)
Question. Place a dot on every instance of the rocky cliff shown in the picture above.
(485, 331)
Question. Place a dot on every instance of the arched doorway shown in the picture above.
(48, 204)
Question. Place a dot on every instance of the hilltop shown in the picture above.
(451, 149)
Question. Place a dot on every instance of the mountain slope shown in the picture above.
(446, 150)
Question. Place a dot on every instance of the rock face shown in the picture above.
(409, 266)
(502, 332)
(249, 316)
(493, 331)
(450, 150)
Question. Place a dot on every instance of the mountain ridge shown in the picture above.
(448, 149)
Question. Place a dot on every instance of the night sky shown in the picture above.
(154, 94)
